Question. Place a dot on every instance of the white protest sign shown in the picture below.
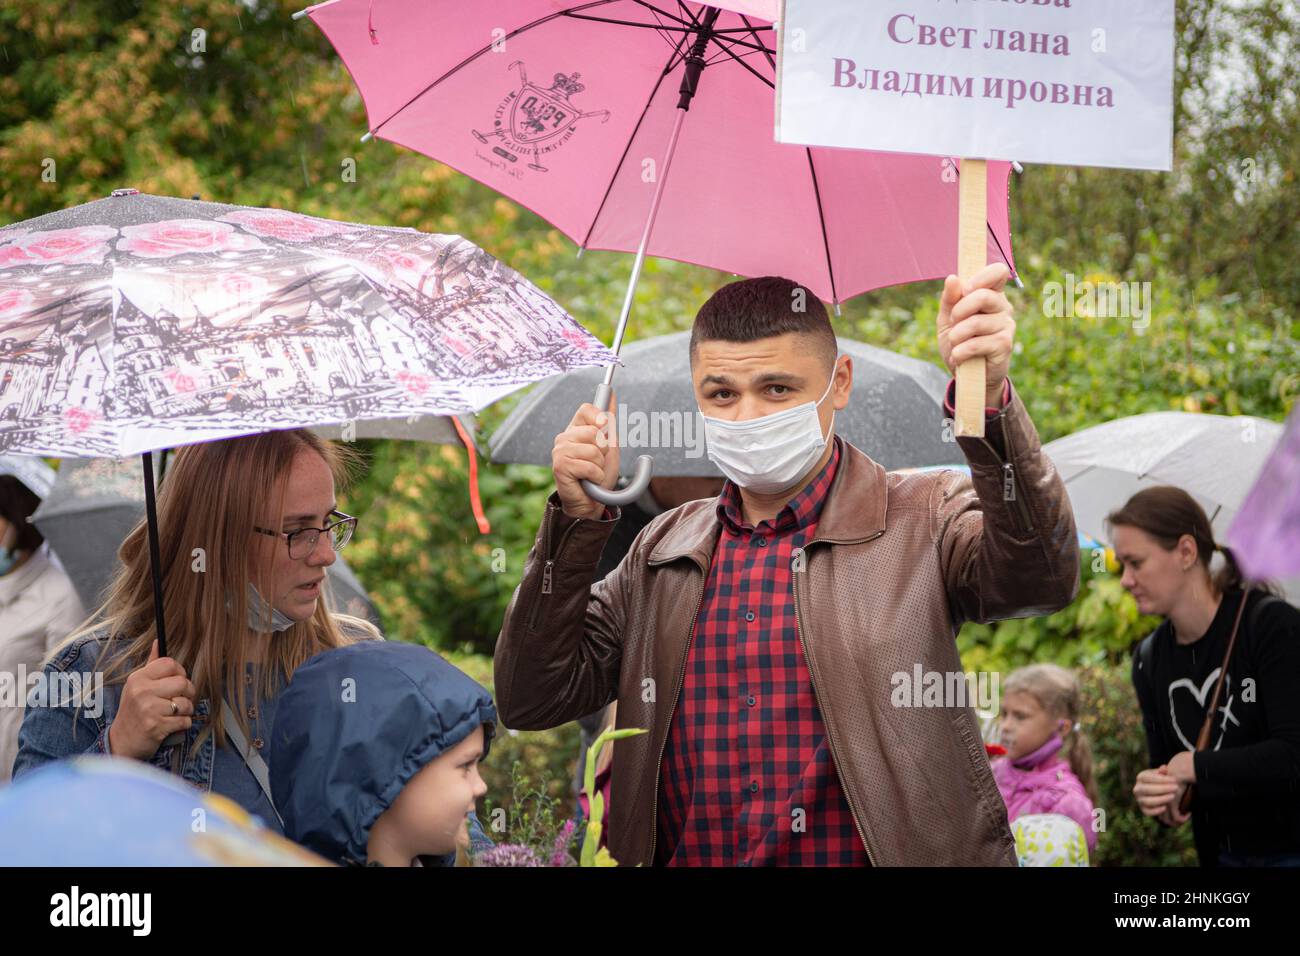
(1082, 83)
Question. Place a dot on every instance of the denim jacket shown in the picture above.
(50, 732)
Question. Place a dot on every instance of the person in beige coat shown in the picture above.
(38, 605)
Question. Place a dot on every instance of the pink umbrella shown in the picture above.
(577, 110)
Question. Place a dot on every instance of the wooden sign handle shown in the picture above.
(972, 256)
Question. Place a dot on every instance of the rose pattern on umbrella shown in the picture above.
(174, 237)
(285, 226)
(402, 265)
(180, 381)
(83, 245)
(15, 301)
(78, 420)
(457, 345)
(240, 287)
(211, 320)
(414, 382)
(222, 293)
(578, 340)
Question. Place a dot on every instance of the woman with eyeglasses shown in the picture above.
(247, 527)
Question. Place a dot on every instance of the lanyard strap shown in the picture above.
(252, 759)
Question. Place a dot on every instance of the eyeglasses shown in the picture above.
(303, 541)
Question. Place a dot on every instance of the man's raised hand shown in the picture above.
(975, 321)
(587, 449)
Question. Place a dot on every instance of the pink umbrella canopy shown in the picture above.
(568, 107)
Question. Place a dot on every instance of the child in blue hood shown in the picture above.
(374, 756)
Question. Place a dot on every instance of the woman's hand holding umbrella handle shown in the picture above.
(157, 700)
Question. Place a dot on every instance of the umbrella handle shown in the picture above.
(640, 474)
(624, 496)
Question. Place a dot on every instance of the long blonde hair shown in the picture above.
(212, 496)
(1058, 691)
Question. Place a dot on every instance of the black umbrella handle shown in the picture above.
(155, 562)
(640, 474)
(155, 558)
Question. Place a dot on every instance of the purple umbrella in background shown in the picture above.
(1265, 535)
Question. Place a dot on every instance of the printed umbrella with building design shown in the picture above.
(136, 323)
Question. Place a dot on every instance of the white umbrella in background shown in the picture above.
(1214, 458)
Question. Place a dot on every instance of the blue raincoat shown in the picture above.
(353, 727)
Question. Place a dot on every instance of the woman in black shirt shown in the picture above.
(1246, 802)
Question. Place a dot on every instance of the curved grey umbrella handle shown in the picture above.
(640, 474)
(624, 496)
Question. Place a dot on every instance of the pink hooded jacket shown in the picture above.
(1041, 782)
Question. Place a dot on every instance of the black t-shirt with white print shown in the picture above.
(1247, 797)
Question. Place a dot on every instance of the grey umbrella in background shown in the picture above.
(96, 502)
(435, 429)
(895, 414)
(31, 471)
(1214, 458)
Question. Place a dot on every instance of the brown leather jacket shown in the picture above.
(898, 562)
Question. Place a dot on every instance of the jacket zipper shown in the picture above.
(677, 692)
(1011, 490)
(830, 733)
(547, 570)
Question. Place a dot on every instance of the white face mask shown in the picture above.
(768, 455)
(262, 617)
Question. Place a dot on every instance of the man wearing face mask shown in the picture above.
(758, 635)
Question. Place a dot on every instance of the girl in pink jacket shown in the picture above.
(1048, 766)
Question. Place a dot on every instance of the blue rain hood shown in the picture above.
(354, 726)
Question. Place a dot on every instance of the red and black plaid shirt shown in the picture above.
(747, 772)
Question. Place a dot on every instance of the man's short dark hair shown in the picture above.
(761, 308)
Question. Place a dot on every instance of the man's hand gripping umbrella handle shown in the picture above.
(640, 474)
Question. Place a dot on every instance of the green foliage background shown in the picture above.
(261, 112)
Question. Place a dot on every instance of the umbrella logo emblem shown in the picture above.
(531, 121)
